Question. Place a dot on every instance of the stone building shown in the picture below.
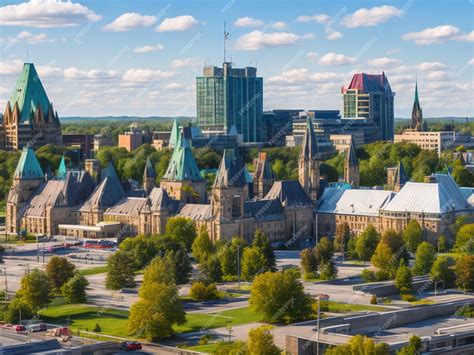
(308, 162)
(263, 177)
(29, 118)
(351, 167)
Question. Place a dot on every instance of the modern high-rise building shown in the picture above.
(370, 97)
(230, 96)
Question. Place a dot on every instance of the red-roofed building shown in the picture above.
(369, 96)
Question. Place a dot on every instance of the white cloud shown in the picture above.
(466, 38)
(432, 35)
(149, 48)
(370, 17)
(186, 63)
(309, 36)
(257, 40)
(94, 74)
(471, 62)
(49, 71)
(333, 35)
(428, 66)
(304, 77)
(248, 22)
(128, 21)
(279, 25)
(312, 56)
(174, 86)
(319, 18)
(46, 13)
(383, 62)
(144, 75)
(438, 75)
(179, 23)
(27, 37)
(336, 59)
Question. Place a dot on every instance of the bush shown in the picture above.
(382, 275)
(200, 292)
(310, 275)
(373, 299)
(368, 275)
(203, 340)
(409, 297)
(97, 328)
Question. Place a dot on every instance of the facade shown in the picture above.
(435, 141)
(29, 118)
(130, 140)
(369, 96)
(102, 140)
(85, 143)
(277, 124)
(231, 96)
(342, 142)
(263, 177)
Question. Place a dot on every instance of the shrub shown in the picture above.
(203, 340)
(97, 328)
(368, 275)
(373, 299)
(200, 292)
(409, 297)
(382, 275)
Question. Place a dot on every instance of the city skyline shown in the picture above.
(142, 59)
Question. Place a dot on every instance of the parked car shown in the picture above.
(130, 345)
(40, 327)
(19, 328)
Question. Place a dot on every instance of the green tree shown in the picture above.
(201, 292)
(309, 262)
(424, 258)
(211, 270)
(142, 248)
(465, 239)
(260, 342)
(120, 271)
(343, 234)
(232, 348)
(253, 263)
(280, 297)
(228, 255)
(384, 259)
(442, 244)
(396, 244)
(441, 271)
(160, 270)
(367, 242)
(465, 272)
(463, 177)
(202, 246)
(59, 270)
(36, 289)
(403, 279)
(359, 345)
(412, 235)
(156, 311)
(324, 250)
(262, 243)
(328, 270)
(181, 265)
(74, 290)
(15, 308)
(414, 346)
(182, 230)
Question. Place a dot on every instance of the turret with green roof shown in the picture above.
(62, 171)
(182, 165)
(28, 167)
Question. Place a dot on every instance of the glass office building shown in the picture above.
(230, 96)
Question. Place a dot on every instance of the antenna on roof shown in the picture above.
(226, 36)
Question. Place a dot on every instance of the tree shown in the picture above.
(261, 242)
(181, 265)
(156, 311)
(351, 247)
(384, 259)
(120, 271)
(465, 272)
(74, 290)
(442, 244)
(309, 262)
(328, 270)
(142, 248)
(36, 289)
(211, 270)
(465, 239)
(253, 263)
(343, 234)
(232, 348)
(403, 279)
(228, 255)
(367, 242)
(160, 270)
(463, 177)
(412, 235)
(324, 250)
(201, 292)
(59, 270)
(202, 246)
(260, 342)
(396, 244)
(414, 346)
(15, 308)
(441, 271)
(181, 230)
(280, 296)
(424, 258)
(359, 344)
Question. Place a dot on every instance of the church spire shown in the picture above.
(417, 113)
(308, 162)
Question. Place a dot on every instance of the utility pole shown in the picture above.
(6, 286)
(238, 266)
(37, 249)
(319, 309)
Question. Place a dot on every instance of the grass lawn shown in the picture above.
(94, 270)
(337, 307)
(114, 322)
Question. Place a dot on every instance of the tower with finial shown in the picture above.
(416, 113)
(351, 167)
(149, 176)
(308, 162)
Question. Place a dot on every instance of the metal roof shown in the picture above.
(28, 167)
(129, 206)
(290, 193)
(265, 210)
(62, 169)
(368, 83)
(468, 193)
(442, 196)
(196, 212)
(231, 170)
(351, 156)
(149, 170)
(182, 165)
(309, 148)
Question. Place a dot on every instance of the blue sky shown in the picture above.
(118, 57)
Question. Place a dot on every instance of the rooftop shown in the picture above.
(28, 167)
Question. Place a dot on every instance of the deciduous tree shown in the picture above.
(120, 271)
(424, 258)
(36, 289)
(59, 270)
(74, 290)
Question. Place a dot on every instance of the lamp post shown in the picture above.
(319, 309)
(238, 266)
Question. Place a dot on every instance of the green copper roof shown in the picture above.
(174, 137)
(62, 169)
(416, 93)
(149, 170)
(29, 94)
(28, 167)
(182, 165)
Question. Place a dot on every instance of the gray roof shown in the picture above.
(354, 201)
(196, 212)
(129, 206)
(352, 156)
(400, 177)
(468, 193)
(231, 170)
(262, 167)
(441, 196)
(160, 200)
(265, 210)
(309, 149)
(290, 193)
(149, 169)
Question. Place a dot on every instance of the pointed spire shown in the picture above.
(62, 171)
(400, 176)
(149, 170)
(416, 93)
(309, 149)
(352, 156)
(231, 170)
(175, 136)
(28, 167)
(182, 165)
